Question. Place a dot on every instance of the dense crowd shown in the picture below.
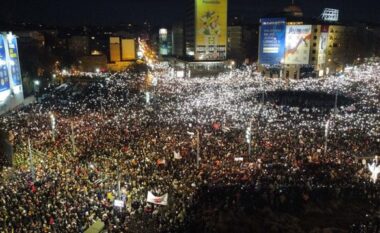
(112, 143)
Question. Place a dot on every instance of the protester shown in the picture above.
(111, 143)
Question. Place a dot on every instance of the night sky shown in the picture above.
(164, 12)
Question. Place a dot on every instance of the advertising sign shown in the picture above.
(272, 41)
(297, 43)
(211, 30)
(158, 200)
(323, 41)
(118, 203)
(4, 78)
(128, 49)
(115, 49)
(14, 62)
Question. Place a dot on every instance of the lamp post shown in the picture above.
(248, 139)
(31, 167)
(336, 95)
(53, 124)
(36, 86)
(72, 138)
(262, 84)
(147, 97)
(198, 148)
(326, 134)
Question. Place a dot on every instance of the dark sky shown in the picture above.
(161, 12)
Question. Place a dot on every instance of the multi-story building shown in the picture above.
(292, 46)
(123, 51)
(206, 30)
(79, 45)
(242, 42)
(178, 40)
(11, 91)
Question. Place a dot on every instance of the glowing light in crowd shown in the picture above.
(375, 170)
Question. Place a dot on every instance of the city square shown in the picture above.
(165, 131)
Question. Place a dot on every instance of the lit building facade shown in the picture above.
(11, 90)
(123, 52)
(206, 30)
(293, 47)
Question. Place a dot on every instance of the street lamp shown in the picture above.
(198, 149)
(336, 95)
(147, 97)
(36, 85)
(262, 84)
(53, 124)
(248, 138)
(326, 134)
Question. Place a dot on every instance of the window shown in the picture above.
(314, 44)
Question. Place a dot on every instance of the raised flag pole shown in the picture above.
(118, 182)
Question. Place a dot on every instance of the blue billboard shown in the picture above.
(4, 78)
(272, 41)
(15, 64)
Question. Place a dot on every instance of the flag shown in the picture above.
(110, 197)
(216, 125)
(118, 203)
(33, 188)
(177, 155)
(158, 200)
(161, 161)
(51, 220)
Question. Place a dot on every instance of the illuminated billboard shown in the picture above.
(323, 41)
(4, 77)
(128, 51)
(11, 93)
(272, 41)
(210, 29)
(297, 44)
(115, 49)
(14, 61)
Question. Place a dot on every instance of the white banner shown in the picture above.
(162, 200)
(177, 155)
(118, 203)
